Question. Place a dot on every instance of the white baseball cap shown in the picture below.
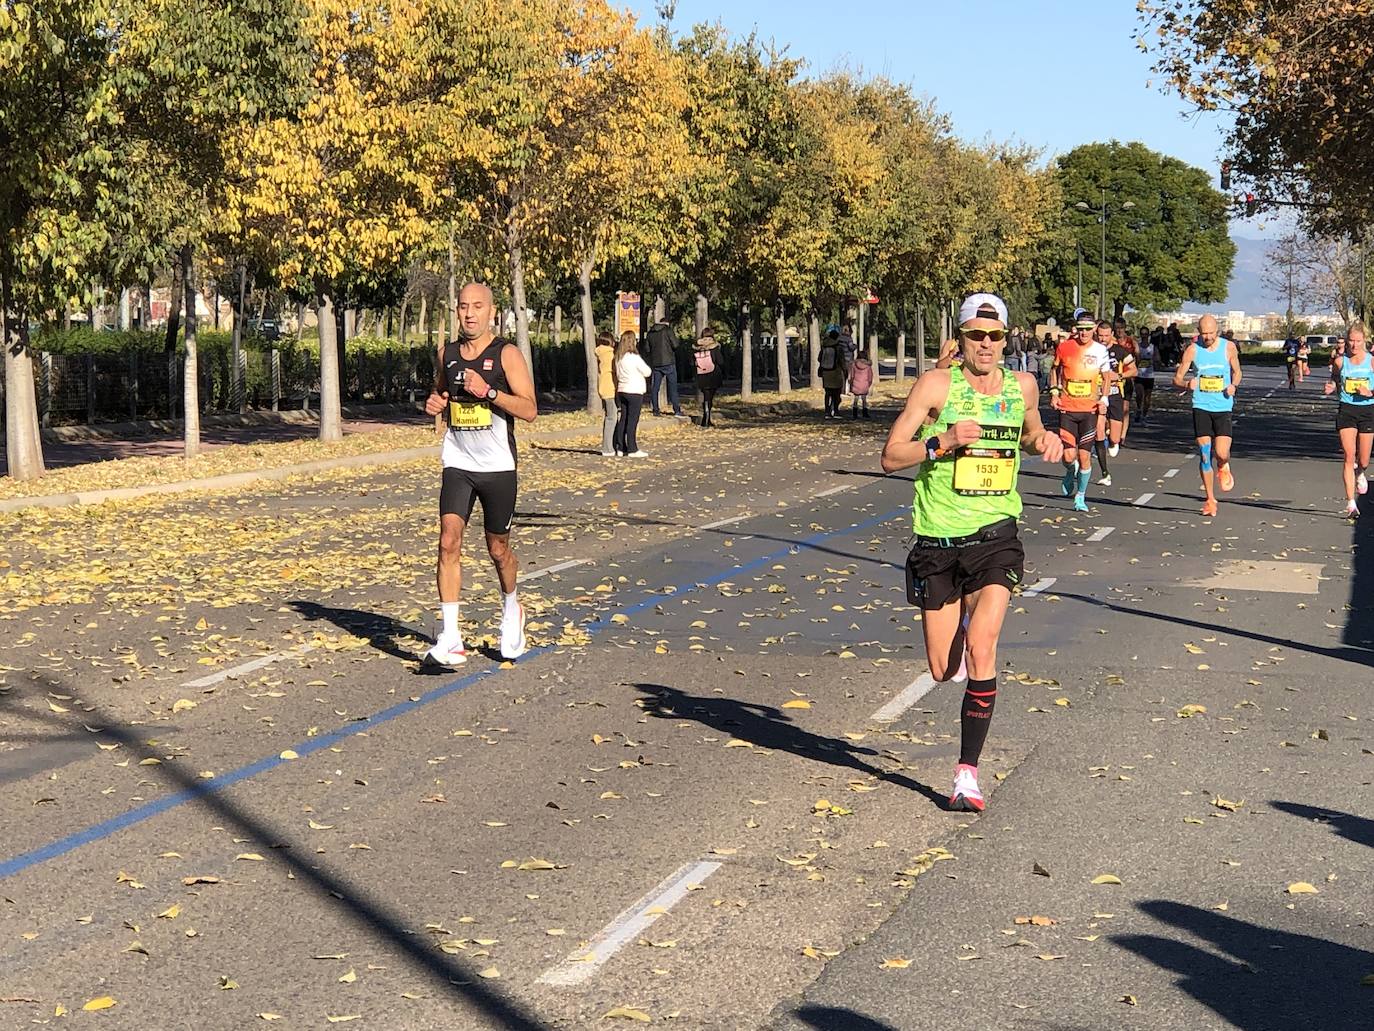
(982, 306)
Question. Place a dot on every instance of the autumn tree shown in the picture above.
(334, 198)
(52, 85)
(165, 57)
(1293, 74)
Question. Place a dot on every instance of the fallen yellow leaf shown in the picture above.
(627, 1013)
(1106, 878)
(104, 1002)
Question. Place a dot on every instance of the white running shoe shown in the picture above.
(1361, 484)
(966, 797)
(1352, 510)
(1112, 449)
(513, 643)
(447, 652)
(609, 454)
(1106, 481)
(639, 454)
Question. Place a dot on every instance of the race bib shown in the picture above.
(469, 415)
(1079, 388)
(981, 471)
(1211, 384)
(1354, 386)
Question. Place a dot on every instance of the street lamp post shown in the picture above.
(1102, 214)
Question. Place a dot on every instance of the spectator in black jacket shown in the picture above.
(663, 362)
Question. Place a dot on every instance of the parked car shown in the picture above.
(1317, 340)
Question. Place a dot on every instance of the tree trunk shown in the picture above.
(703, 314)
(331, 421)
(423, 325)
(746, 382)
(237, 342)
(190, 405)
(23, 445)
(784, 369)
(584, 284)
(174, 302)
(342, 324)
(901, 353)
(124, 309)
(516, 255)
(813, 333)
(214, 304)
(873, 355)
(452, 287)
(660, 308)
(66, 316)
(920, 341)
(404, 315)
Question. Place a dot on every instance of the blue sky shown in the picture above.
(1002, 69)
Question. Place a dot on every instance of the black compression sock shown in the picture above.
(1100, 449)
(980, 697)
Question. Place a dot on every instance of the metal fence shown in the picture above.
(140, 386)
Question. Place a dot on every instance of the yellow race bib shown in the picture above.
(1079, 388)
(1211, 384)
(981, 471)
(1354, 386)
(469, 415)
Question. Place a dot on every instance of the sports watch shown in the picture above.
(491, 393)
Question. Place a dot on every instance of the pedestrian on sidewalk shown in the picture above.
(631, 382)
(605, 389)
(860, 383)
(834, 372)
(663, 363)
(706, 360)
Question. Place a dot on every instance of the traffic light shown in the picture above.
(1226, 177)
(1251, 205)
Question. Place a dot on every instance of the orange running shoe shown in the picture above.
(1209, 508)
(1227, 480)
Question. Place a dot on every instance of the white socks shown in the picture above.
(450, 631)
(510, 608)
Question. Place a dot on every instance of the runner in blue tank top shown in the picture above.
(1353, 375)
(1215, 367)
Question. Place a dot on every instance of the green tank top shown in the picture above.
(976, 485)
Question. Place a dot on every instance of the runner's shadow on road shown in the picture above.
(835, 1018)
(1358, 829)
(1302, 981)
(361, 903)
(382, 632)
(769, 727)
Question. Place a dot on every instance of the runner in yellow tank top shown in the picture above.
(964, 428)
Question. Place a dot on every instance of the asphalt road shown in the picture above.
(711, 795)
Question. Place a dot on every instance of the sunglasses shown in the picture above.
(979, 335)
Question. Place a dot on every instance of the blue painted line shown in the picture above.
(212, 785)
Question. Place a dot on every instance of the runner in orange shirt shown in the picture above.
(1079, 383)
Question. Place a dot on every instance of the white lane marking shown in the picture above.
(1170, 472)
(1041, 585)
(557, 567)
(725, 522)
(834, 490)
(582, 964)
(1101, 535)
(904, 699)
(1144, 499)
(248, 667)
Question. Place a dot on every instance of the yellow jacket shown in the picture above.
(605, 381)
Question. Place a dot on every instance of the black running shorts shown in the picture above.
(1143, 388)
(1355, 417)
(1116, 408)
(938, 574)
(1078, 429)
(496, 492)
(1211, 424)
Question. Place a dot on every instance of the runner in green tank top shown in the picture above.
(964, 429)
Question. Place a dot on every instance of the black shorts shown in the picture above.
(1355, 417)
(1116, 407)
(496, 492)
(1144, 387)
(1211, 424)
(1078, 429)
(937, 574)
